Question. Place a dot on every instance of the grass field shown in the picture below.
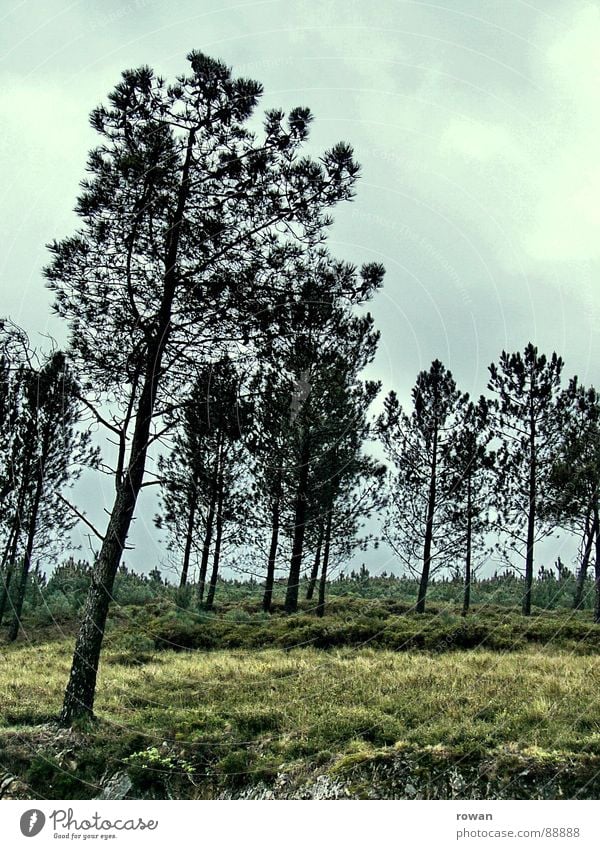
(369, 721)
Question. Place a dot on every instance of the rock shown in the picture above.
(321, 788)
(117, 787)
(12, 788)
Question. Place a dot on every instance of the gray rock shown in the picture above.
(117, 786)
(12, 787)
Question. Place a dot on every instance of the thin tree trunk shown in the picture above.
(585, 561)
(315, 569)
(291, 596)
(13, 631)
(81, 687)
(467, 594)
(530, 519)
(427, 548)
(5, 595)
(597, 567)
(12, 546)
(8, 547)
(275, 520)
(9, 557)
(210, 600)
(210, 521)
(323, 581)
(37, 574)
(189, 537)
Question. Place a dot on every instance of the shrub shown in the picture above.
(132, 649)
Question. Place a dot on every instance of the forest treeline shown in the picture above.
(56, 599)
(221, 349)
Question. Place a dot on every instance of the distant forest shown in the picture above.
(220, 348)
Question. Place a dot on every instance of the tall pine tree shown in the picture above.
(526, 390)
(182, 215)
(419, 526)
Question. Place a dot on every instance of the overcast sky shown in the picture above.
(476, 122)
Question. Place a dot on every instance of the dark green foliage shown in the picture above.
(357, 598)
(467, 483)
(375, 626)
(202, 479)
(42, 451)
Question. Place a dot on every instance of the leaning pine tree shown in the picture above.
(183, 208)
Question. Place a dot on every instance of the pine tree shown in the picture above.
(467, 484)
(345, 483)
(340, 349)
(526, 388)
(573, 486)
(47, 454)
(321, 328)
(196, 478)
(15, 459)
(185, 216)
(419, 526)
(272, 394)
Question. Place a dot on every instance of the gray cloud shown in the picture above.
(476, 125)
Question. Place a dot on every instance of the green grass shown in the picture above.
(381, 623)
(379, 701)
(197, 721)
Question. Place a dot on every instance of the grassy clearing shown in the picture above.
(240, 716)
(381, 702)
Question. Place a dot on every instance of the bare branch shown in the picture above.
(81, 516)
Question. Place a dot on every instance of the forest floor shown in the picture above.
(496, 706)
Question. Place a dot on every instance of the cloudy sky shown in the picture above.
(476, 123)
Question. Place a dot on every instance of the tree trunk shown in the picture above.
(275, 519)
(210, 520)
(431, 503)
(291, 596)
(12, 545)
(6, 582)
(8, 561)
(189, 537)
(210, 600)
(315, 569)
(467, 594)
(6, 554)
(585, 561)
(81, 687)
(13, 631)
(323, 581)
(530, 519)
(597, 567)
(79, 695)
